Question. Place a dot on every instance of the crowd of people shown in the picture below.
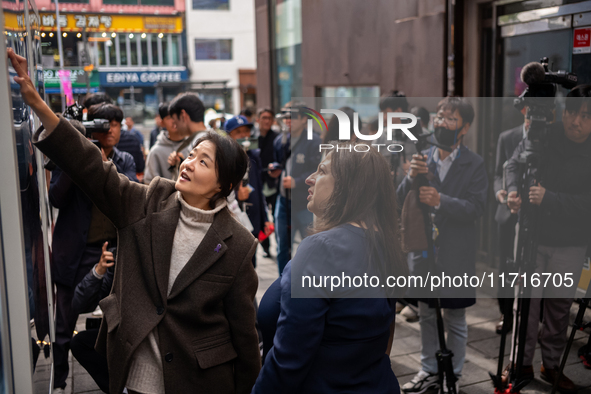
(170, 255)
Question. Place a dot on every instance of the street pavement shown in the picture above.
(481, 354)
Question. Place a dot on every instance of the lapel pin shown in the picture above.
(217, 248)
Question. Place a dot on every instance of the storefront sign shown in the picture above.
(77, 77)
(98, 23)
(582, 41)
(141, 78)
(151, 22)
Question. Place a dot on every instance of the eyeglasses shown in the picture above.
(448, 120)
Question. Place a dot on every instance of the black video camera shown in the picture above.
(537, 97)
(75, 112)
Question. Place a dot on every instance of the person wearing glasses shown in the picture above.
(456, 195)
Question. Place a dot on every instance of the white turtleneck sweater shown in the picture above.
(145, 375)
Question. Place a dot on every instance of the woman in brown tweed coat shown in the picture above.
(185, 326)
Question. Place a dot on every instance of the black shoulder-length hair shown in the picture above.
(231, 163)
(364, 194)
(577, 96)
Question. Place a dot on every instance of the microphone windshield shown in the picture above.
(533, 73)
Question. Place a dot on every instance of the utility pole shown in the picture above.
(86, 59)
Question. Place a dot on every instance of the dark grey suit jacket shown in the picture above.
(508, 141)
(206, 326)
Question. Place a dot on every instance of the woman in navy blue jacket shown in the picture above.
(335, 338)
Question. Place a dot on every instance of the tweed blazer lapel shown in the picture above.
(163, 228)
(208, 252)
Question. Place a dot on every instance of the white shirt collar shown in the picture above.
(452, 156)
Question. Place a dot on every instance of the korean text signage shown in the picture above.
(582, 41)
(99, 23)
(77, 77)
(141, 78)
(77, 21)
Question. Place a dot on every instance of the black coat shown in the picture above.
(90, 291)
(129, 143)
(508, 141)
(257, 210)
(566, 175)
(267, 156)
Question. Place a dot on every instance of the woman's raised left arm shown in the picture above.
(121, 200)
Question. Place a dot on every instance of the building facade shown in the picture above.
(425, 48)
(222, 54)
(122, 47)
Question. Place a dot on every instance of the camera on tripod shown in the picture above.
(538, 96)
(539, 99)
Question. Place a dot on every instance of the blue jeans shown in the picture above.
(454, 321)
(286, 225)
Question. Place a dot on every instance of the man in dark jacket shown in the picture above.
(563, 195)
(457, 197)
(508, 141)
(130, 144)
(267, 137)
(298, 158)
(238, 128)
(80, 231)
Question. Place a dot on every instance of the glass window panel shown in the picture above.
(213, 49)
(211, 4)
(165, 60)
(123, 50)
(133, 50)
(112, 52)
(101, 53)
(176, 61)
(157, 2)
(225, 49)
(520, 50)
(145, 51)
(154, 45)
(128, 2)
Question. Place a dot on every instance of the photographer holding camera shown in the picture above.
(95, 286)
(564, 201)
(80, 232)
(456, 196)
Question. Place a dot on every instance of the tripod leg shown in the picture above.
(519, 381)
(444, 356)
(585, 352)
(507, 316)
(576, 326)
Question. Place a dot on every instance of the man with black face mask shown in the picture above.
(457, 197)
